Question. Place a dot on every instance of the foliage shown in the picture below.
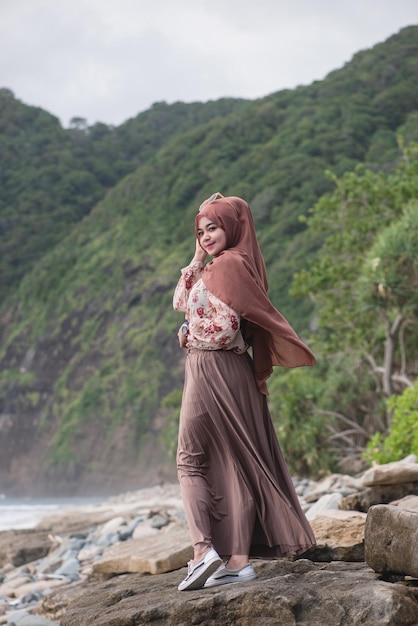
(390, 275)
(348, 219)
(52, 177)
(169, 434)
(402, 437)
(364, 284)
(301, 431)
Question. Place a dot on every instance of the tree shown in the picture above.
(363, 282)
(389, 284)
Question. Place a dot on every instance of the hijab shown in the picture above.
(238, 277)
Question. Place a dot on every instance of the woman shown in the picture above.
(237, 492)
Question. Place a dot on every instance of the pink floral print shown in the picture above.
(212, 324)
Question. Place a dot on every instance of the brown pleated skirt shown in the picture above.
(237, 492)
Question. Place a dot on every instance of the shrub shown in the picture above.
(402, 436)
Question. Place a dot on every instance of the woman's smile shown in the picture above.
(211, 237)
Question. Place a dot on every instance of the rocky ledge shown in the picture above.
(299, 593)
(118, 563)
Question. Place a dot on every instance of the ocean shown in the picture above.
(27, 512)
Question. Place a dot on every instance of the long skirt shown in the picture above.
(237, 492)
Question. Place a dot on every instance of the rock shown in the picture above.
(391, 474)
(298, 593)
(127, 531)
(34, 620)
(339, 536)
(23, 546)
(112, 525)
(325, 502)
(159, 521)
(408, 502)
(167, 552)
(16, 617)
(391, 540)
(108, 539)
(378, 494)
(90, 553)
(9, 585)
(128, 505)
(146, 529)
(330, 484)
(69, 567)
(285, 590)
(38, 585)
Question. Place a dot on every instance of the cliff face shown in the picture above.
(97, 457)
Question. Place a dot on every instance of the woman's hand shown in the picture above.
(183, 333)
(200, 254)
(182, 338)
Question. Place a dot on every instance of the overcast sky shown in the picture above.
(107, 60)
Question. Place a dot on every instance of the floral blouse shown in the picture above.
(213, 325)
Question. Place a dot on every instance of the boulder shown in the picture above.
(391, 474)
(298, 593)
(408, 502)
(378, 494)
(391, 540)
(328, 501)
(339, 536)
(153, 555)
(23, 546)
(332, 483)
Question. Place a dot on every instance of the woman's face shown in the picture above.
(211, 237)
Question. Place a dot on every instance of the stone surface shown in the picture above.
(325, 502)
(332, 483)
(391, 474)
(378, 494)
(37, 586)
(339, 536)
(391, 540)
(299, 593)
(154, 555)
(23, 546)
(284, 593)
(145, 529)
(9, 588)
(35, 620)
(408, 502)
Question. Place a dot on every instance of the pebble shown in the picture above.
(158, 521)
(71, 560)
(325, 503)
(31, 620)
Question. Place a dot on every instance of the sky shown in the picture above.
(108, 60)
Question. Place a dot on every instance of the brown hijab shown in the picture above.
(238, 277)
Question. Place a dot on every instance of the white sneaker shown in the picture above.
(199, 572)
(224, 576)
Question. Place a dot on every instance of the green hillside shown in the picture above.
(52, 177)
(89, 356)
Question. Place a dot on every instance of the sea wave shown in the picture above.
(20, 513)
